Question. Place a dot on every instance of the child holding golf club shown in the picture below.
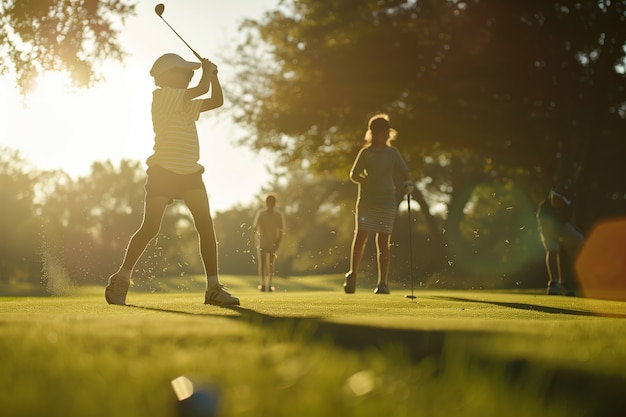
(374, 170)
(267, 233)
(174, 172)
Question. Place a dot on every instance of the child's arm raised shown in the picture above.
(217, 96)
(205, 81)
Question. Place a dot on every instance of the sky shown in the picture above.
(55, 129)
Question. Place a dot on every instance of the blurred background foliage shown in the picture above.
(63, 232)
(494, 103)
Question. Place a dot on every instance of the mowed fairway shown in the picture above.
(308, 349)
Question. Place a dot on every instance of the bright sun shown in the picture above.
(57, 127)
(61, 127)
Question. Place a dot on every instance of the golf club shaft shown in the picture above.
(408, 202)
(181, 38)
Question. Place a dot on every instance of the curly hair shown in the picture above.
(379, 121)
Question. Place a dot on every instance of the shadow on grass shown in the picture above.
(418, 344)
(593, 394)
(534, 307)
(163, 310)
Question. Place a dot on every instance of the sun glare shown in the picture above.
(49, 84)
(59, 127)
(62, 127)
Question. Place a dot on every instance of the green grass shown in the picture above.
(310, 350)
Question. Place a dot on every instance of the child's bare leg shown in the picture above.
(270, 269)
(553, 268)
(117, 288)
(262, 267)
(153, 214)
(358, 247)
(382, 246)
(198, 204)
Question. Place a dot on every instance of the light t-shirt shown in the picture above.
(379, 166)
(269, 225)
(176, 146)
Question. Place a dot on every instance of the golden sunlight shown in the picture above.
(59, 127)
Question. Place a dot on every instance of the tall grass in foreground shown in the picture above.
(77, 356)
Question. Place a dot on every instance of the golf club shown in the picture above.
(159, 9)
(408, 202)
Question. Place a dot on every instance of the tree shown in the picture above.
(481, 92)
(505, 80)
(60, 35)
(87, 221)
(19, 228)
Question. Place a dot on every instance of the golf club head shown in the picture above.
(412, 297)
(159, 9)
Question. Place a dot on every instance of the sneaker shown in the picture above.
(566, 291)
(115, 292)
(261, 287)
(382, 289)
(350, 285)
(219, 296)
(554, 289)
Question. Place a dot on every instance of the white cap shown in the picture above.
(168, 61)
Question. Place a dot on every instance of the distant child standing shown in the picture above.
(267, 233)
(374, 170)
(560, 237)
(174, 172)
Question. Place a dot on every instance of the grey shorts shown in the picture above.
(376, 219)
(559, 237)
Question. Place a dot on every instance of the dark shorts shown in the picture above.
(269, 251)
(376, 219)
(164, 183)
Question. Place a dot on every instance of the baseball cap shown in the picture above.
(168, 61)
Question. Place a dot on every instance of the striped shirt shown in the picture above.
(176, 146)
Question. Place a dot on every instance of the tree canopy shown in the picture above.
(70, 36)
(535, 89)
(63, 232)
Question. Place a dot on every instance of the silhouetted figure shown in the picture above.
(174, 172)
(267, 233)
(374, 170)
(560, 237)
